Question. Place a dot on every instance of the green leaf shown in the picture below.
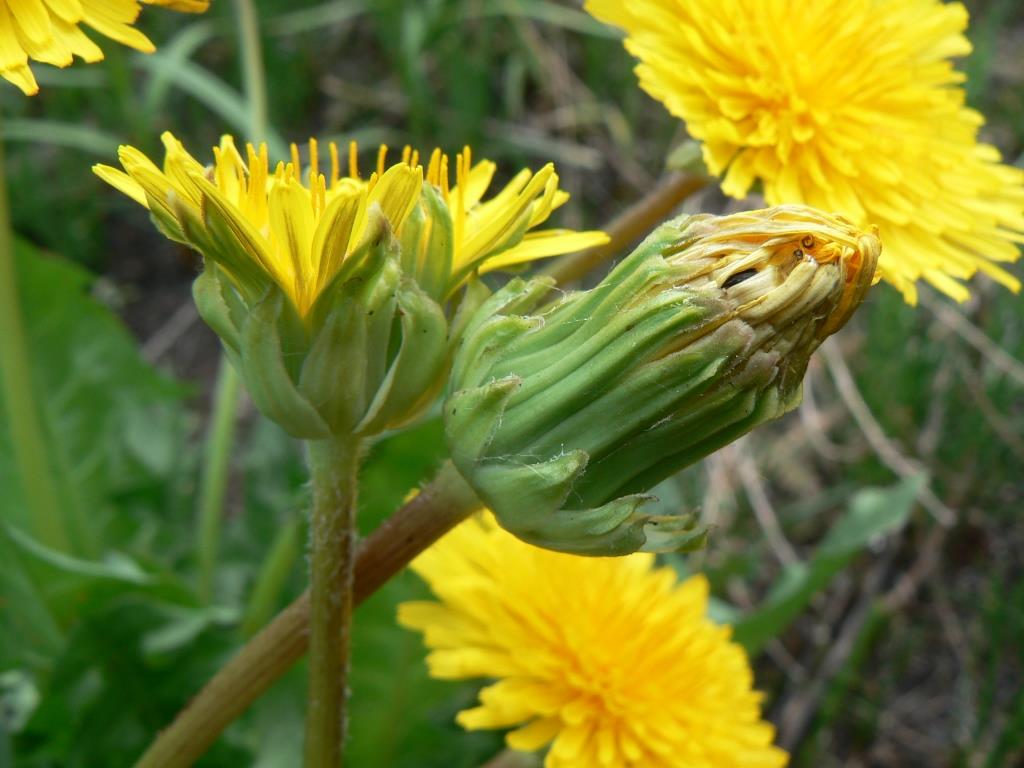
(109, 693)
(93, 390)
(547, 13)
(29, 633)
(64, 577)
(114, 431)
(55, 133)
(174, 52)
(18, 698)
(184, 626)
(116, 567)
(873, 513)
(315, 19)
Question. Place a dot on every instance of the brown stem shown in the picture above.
(629, 226)
(443, 503)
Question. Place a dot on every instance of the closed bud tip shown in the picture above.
(563, 415)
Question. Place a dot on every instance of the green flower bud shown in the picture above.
(562, 417)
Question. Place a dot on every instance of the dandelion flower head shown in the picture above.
(50, 31)
(609, 661)
(852, 106)
(296, 225)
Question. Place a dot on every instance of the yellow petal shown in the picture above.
(491, 232)
(32, 20)
(534, 736)
(292, 226)
(76, 41)
(251, 241)
(122, 182)
(541, 245)
(69, 11)
(182, 6)
(478, 181)
(113, 18)
(22, 77)
(397, 192)
(543, 207)
(339, 228)
(13, 59)
(887, 141)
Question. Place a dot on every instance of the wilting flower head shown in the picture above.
(308, 273)
(49, 31)
(846, 105)
(561, 418)
(610, 661)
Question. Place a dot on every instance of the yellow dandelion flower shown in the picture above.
(49, 31)
(295, 233)
(851, 106)
(610, 661)
(296, 226)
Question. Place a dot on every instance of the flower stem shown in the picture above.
(272, 576)
(629, 226)
(214, 480)
(442, 504)
(28, 441)
(334, 467)
(253, 77)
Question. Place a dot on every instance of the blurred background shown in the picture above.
(869, 547)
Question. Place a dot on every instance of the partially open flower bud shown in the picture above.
(363, 359)
(561, 418)
(330, 291)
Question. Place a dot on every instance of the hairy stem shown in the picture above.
(442, 504)
(334, 466)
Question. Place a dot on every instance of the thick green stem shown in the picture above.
(334, 467)
(442, 504)
(214, 480)
(23, 415)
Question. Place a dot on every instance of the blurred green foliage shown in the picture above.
(100, 646)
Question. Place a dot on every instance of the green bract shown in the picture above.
(562, 417)
(369, 356)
